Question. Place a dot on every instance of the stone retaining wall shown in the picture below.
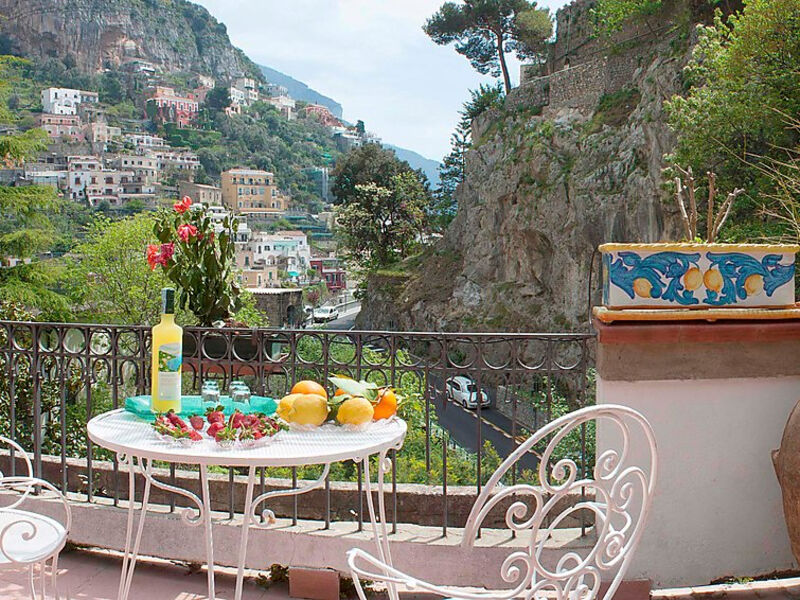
(418, 504)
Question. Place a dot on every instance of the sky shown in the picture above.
(371, 56)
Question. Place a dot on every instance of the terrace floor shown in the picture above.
(94, 575)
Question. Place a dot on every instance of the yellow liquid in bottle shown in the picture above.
(167, 359)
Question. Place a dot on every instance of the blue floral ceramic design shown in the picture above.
(663, 270)
(736, 267)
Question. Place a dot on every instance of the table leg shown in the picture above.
(380, 532)
(248, 501)
(131, 555)
(128, 461)
(208, 535)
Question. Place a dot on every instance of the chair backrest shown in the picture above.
(15, 451)
(618, 494)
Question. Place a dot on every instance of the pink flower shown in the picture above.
(167, 250)
(153, 256)
(186, 231)
(159, 255)
(182, 206)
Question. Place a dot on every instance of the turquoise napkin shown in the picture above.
(194, 405)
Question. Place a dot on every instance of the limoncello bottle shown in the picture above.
(167, 357)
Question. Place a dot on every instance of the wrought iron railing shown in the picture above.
(56, 376)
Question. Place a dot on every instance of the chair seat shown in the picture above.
(47, 539)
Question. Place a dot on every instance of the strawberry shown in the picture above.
(257, 435)
(215, 415)
(250, 421)
(176, 420)
(197, 422)
(195, 436)
(214, 428)
(236, 419)
(225, 434)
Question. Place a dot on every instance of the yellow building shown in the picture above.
(250, 191)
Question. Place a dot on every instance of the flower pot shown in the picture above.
(787, 467)
(698, 276)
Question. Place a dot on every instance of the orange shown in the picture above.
(339, 392)
(309, 387)
(387, 404)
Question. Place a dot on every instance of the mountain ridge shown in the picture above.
(300, 90)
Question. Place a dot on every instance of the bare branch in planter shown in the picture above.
(723, 213)
(690, 187)
(686, 183)
(712, 190)
(679, 198)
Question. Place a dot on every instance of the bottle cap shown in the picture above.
(168, 301)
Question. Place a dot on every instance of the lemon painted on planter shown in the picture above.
(713, 280)
(642, 287)
(754, 284)
(693, 279)
(698, 275)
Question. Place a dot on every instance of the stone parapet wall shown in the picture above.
(416, 503)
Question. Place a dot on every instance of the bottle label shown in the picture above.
(170, 357)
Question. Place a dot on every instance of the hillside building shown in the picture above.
(165, 105)
(285, 105)
(144, 141)
(209, 195)
(61, 126)
(273, 90)
(65, 101)
(175, 159)
(321, 114)
(252, 192)
(330, 270)
(101, 133)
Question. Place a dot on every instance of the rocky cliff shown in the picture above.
(570, 161)
(175, 35)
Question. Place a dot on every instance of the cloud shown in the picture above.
(370, 55)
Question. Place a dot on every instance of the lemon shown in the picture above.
(754, 284)
(713, 280)
(285, 406)
(693, 279)
(307, 409)
(355, 411)
(642, 287)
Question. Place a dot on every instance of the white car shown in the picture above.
(464, 391)
(325, 313)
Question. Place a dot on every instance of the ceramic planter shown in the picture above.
(698, 276)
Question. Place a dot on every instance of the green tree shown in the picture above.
(484, 31)
(453, 167)
(26, 229)
(109, 278)
(744, 79)
(379, 225)
(368, 164)
(609, 15)
(218, 99)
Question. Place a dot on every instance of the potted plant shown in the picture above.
(698, 274)
(198, 255)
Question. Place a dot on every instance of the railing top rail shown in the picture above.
(455, 335)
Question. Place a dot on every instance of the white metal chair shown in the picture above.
(622, 493)
(28, 538)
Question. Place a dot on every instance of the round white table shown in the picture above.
(135, 443)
